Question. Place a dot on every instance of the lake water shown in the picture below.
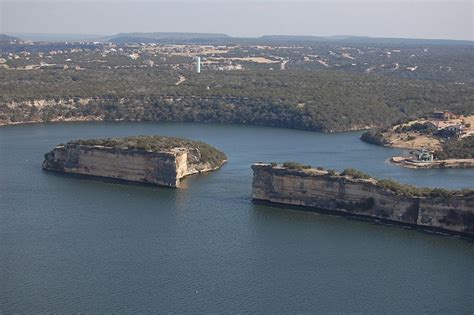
(71, 244)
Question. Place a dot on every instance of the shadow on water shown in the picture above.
(269, 208)
(105, 180)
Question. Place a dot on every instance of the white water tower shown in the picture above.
(198, 64)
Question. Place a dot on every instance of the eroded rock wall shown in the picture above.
(316, 189)
(161, 168)
(454, 213)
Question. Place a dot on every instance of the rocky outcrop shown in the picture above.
(317, 189)
(127, 159)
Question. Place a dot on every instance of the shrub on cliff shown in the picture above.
(332, 172)
(402, 189)
(296, 166)
(355, 174)
(409, 190)
(374, 137)
(438, 192)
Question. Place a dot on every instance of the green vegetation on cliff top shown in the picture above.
(387, 184)
(158, 143)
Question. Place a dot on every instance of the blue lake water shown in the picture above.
(71, 244)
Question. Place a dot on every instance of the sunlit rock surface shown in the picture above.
(147, 159)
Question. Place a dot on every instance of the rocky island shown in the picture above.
(147, 159)
(352, 192)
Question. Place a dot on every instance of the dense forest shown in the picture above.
(303, 99)
(457, 149)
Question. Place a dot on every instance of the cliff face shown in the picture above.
(161, 168)
(171, 108)
(317, 189)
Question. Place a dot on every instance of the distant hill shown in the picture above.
(57, 37)
(301, 38)
(364, 39)
(224, 39)
(165, 37)
(6, 38)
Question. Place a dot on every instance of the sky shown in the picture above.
(440, 19)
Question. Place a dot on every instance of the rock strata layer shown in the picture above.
(317, 189)
(147, 159)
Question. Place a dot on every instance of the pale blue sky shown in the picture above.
(445, 19)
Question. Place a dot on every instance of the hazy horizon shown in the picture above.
(59, 36)
(402, 19)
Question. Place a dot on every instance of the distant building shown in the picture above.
(425, 156)
(456, 130)
(134, 56)
(44, 65)
(444, 115)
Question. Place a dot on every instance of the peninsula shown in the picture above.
(147, 159)
(441, 140)
(355, 193)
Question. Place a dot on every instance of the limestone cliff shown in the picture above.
(148, 159)
(368, 197)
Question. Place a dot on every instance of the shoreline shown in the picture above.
(100, 119)
(74, 120)
(408, 162)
